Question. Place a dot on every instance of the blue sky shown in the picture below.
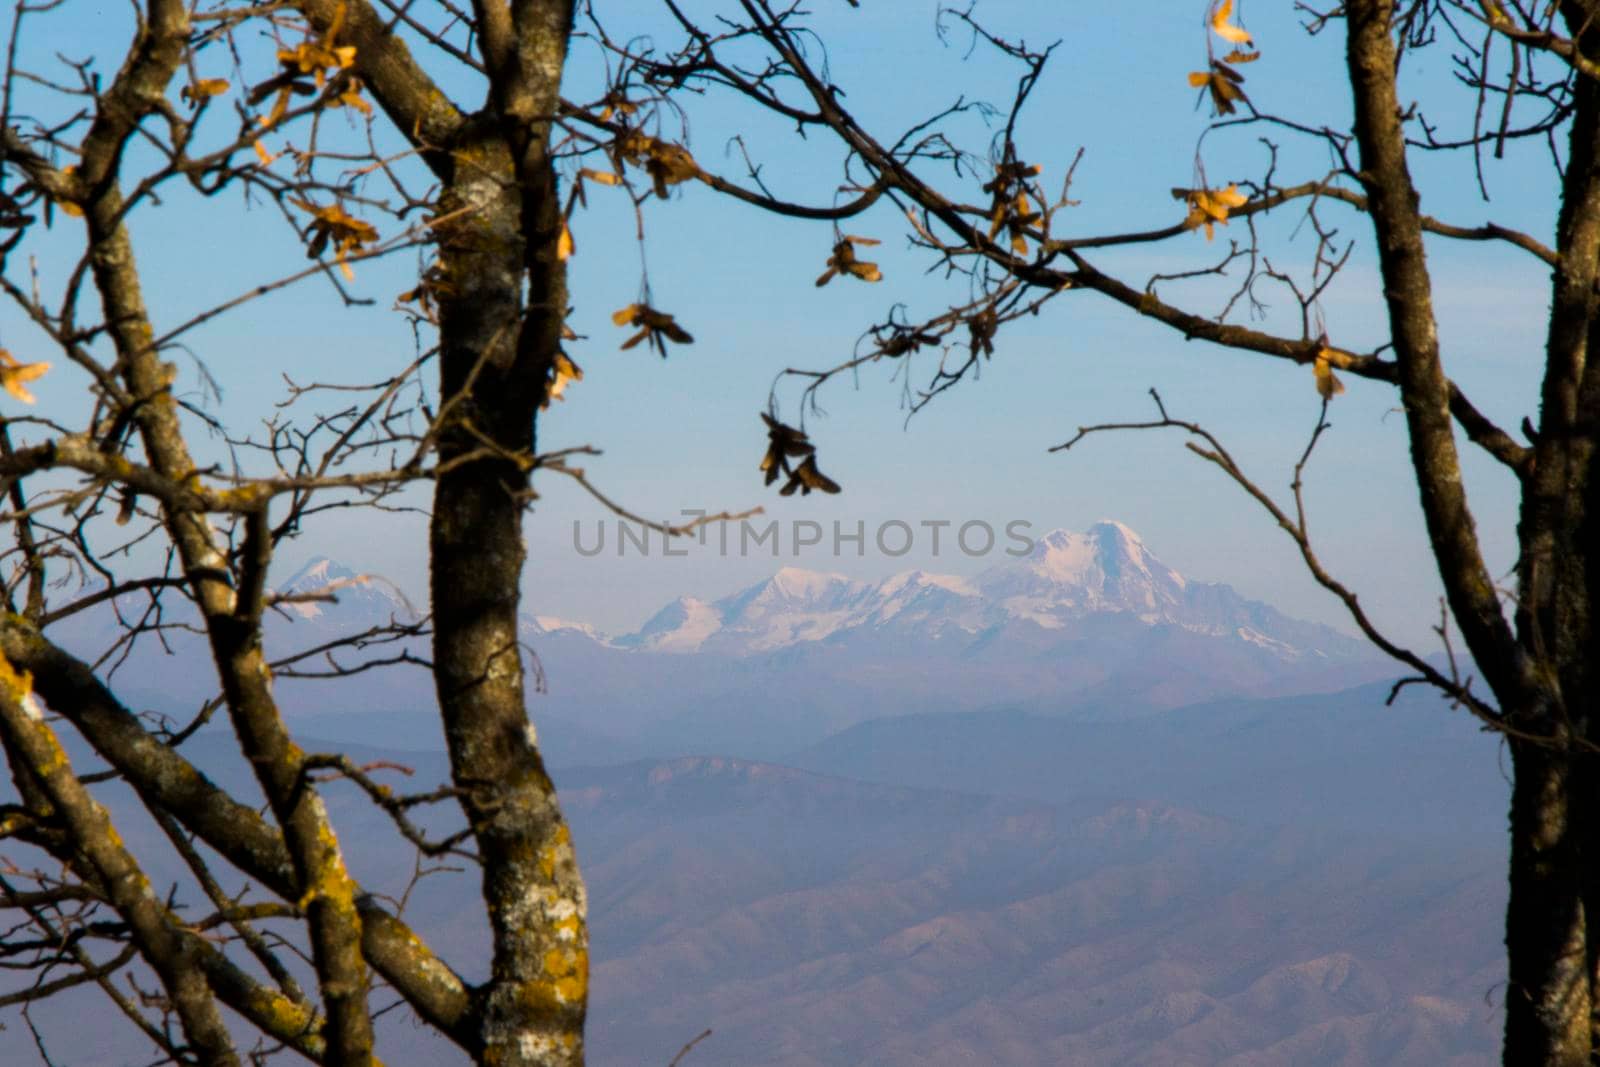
(684, 433)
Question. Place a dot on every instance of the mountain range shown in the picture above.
(1066, 581)
(1090, 625)
(1076, 808)
(813, 919)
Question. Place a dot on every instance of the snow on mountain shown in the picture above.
(324, 586)
(1068, 577)
(681, 626)
(1090, 620)
(792, 606)
(794, 591)
(1105, 576)
(550, 624)
(927, 604)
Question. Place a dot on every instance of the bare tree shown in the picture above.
(351, 119)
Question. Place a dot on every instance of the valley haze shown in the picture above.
(1075, 808)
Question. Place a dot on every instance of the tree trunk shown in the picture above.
(1548, 992)
(494, 361)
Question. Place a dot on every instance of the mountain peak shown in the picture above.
(553, 624)
(1068, 553)
(920, 579)
(801, 584)
(338, 588)
(1068, 578)
(1107, 568)
(789, 588)
(681, 626)
(1064, 555)
(1112, 528)
(317, 572)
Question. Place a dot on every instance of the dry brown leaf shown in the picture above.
(332, 225)
(807, 477)
(782, 442)
(657, 327)
(843, 261)
(1222, 83)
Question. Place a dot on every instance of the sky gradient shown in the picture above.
(683, 432)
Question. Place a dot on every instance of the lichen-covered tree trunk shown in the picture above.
(231, 619)
(495, 360)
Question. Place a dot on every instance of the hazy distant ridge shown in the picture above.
(1067, 578)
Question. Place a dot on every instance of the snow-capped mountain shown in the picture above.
(1068, 580)
(325, 589)
(550, 624)
(1069, 585)
(1088, 624)
(1068, 575)
(793, 605)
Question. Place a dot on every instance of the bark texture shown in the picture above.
(495, 359)
(1540, 671)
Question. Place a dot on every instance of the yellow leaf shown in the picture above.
(262, 153)
(564, 245)
(1210, 206)
(1220, 26)
(351, 97)
(1239, 55)
(604, 177)
(1328, 386)
(14, 373)
(615, 103)
(203, 89)
(623, 316)
(563, 374)
(280, 106)
(1218, 201)
(332, 225)
(1197, 78)
(68, 206)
